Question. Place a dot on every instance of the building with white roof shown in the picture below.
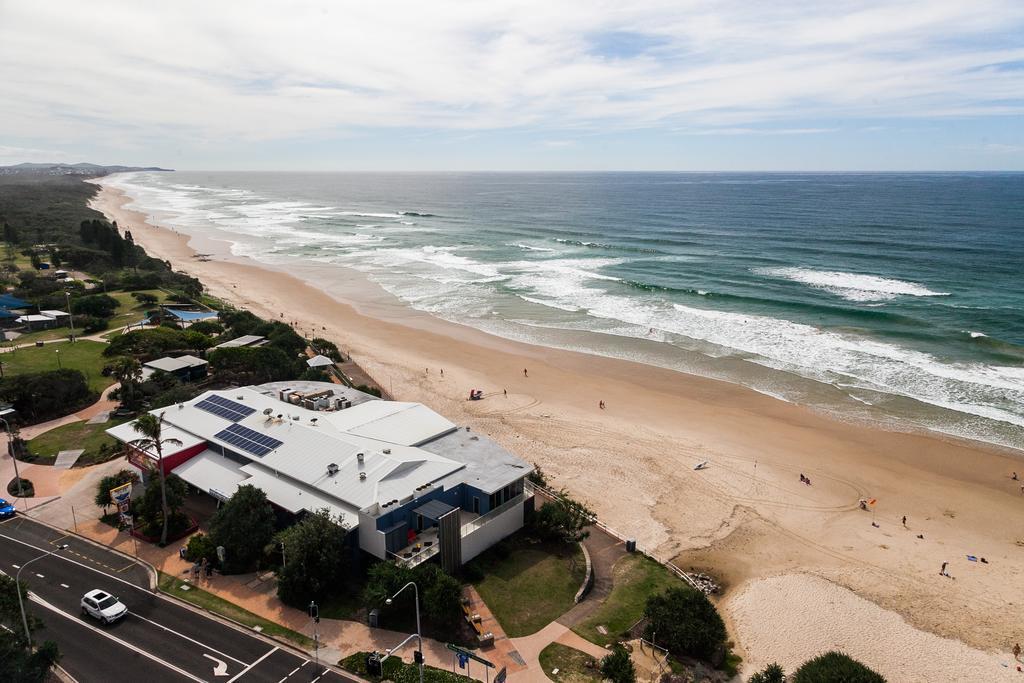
(186, 368)
(406, 481)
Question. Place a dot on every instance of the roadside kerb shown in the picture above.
(588, 579)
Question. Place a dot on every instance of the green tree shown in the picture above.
(686, 623)
(618, 666)
(36, 262)
(442, 593)
(40, 396)
(244, 526)
(315, 560)
(835, 667)
(149, 507)
(99, 305)
(128, 372)
(562, 519)
(18, 662)
(151, 428)
(110, 482)
(773, 673)
(145, 298)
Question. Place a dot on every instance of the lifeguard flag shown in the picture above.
(872, 501)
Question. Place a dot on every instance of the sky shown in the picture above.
(534, 85)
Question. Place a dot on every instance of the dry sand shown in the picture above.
(747, 517)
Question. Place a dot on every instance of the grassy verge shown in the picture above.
(398, 671)
(44, 448)
(41, 335)
(527, 586)
(130, 311)
(85, 356)
(212, 603)
(573, 666)
(636, 577)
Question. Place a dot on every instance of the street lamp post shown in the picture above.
(314, 613)
(17, 585)
(59, 366)
(10, 452)
(419, 633)
(71, 318)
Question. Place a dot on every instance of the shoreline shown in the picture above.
(747, 517)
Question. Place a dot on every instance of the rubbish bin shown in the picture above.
(375, 618)
(39, 343)
(631, 545)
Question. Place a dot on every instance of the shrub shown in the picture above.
(618, 666)
(90, 324)
(562, 519)
(773, 673)
(145, 298)
(686, 623)
(201, 546)
(208, 327)
(366, 389)
(833, 667)
(41, 396)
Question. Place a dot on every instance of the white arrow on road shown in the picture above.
(221, 669)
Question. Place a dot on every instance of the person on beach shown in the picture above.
(442, 372)
(904, 521)
(942, 572)
(524, 373)
(600, 404)
(1014, 476)
(506, 392)
(1016, 651)
(802, 478)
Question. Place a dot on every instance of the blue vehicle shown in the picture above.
(6, 509)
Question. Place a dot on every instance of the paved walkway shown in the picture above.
(503, 652)
(65, 460)
(604, 550)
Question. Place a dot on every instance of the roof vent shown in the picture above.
(313, 420)
(240, 397)
(268, 411)
(181, 406)
(332, 469)
(360, 457)
(387, 451)
(362, 476)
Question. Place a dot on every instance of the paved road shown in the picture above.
(159, 641)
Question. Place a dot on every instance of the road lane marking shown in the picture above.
(220, 668)
(246, 669)
(191, 640)
(65, 558)
(64, 585)
(40, 576)
(36, 599)
(16, 566)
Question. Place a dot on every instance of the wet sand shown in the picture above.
(747, 517)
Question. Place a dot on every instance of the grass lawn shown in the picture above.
(85, 355)
(635, 578)
(211, 603)
(129, 310)
(71, 436)
(41, 335)
(571, 664)
(403, 672)
(528, 586)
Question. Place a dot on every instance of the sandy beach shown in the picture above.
(792, 556)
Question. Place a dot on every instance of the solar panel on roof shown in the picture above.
(222, 407)
(248, 440)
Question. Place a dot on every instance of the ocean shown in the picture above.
(893, 298)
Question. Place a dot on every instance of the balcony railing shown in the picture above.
(482, 520)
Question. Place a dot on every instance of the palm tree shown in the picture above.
(128, 372)
(151, 427)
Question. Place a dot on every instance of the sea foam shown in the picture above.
(851, 286)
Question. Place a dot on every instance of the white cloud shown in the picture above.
(194, 72)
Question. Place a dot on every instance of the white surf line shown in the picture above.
(34, 598)
(191, 640)
(246, 669)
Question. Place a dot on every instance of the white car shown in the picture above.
(103, 606)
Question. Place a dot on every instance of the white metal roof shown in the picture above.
(296, 474)
(34, 318)
(126, 433)
(210, 471)
(319, 362)
(168, 364)
(244, 340)
(54, 314)
(409, 424)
